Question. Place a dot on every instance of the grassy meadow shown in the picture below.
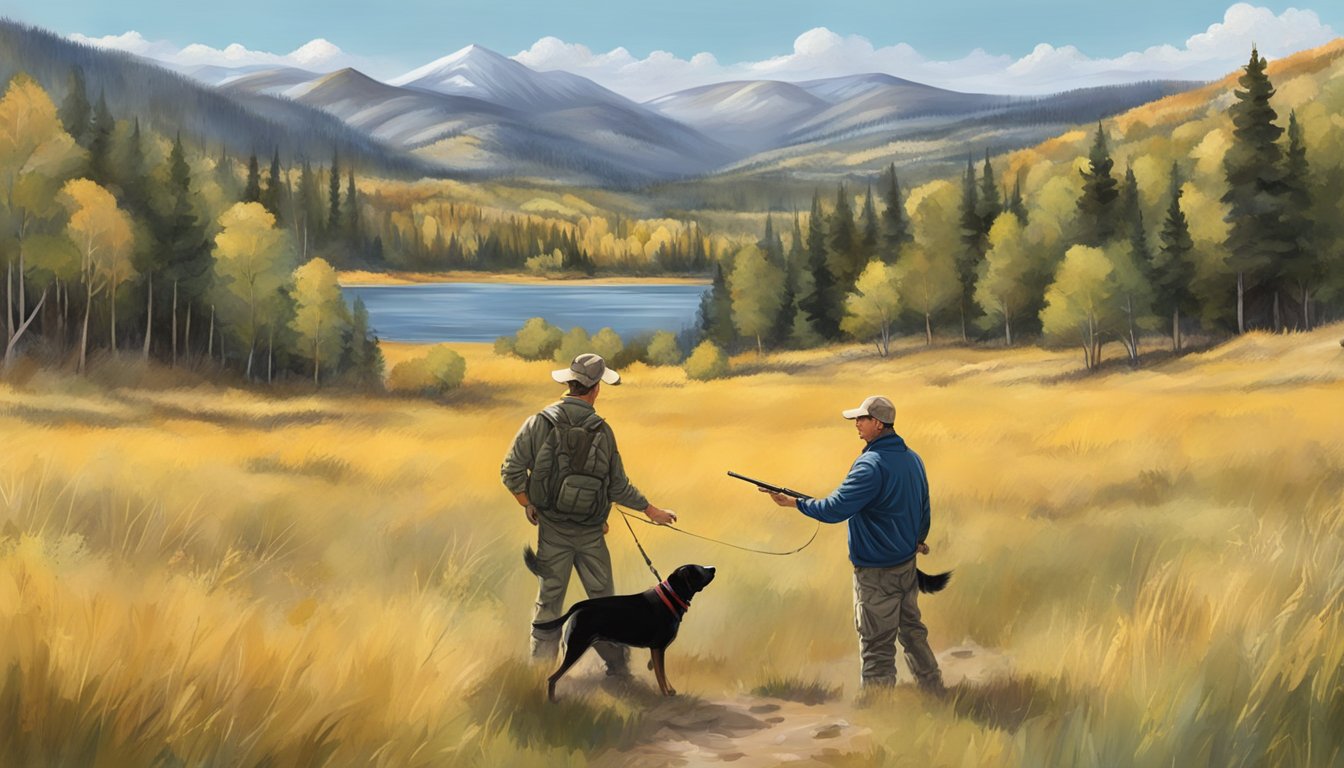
(209, 576)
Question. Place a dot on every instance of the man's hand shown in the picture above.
(922, 548)
(781, 499)
(531, 512)
(660, 516)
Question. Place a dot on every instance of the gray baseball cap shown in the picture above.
(587, 369)
(876, 406)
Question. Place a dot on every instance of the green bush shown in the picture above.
(537, 340)
(607, 343)
(708, 361)
(504, 346)
(663, 349)
(440, 370)
(574, 343)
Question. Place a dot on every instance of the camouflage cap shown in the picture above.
(587, 369)
(876, 406)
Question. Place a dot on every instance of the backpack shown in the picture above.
(569, 472)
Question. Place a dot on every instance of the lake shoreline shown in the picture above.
(365, 279)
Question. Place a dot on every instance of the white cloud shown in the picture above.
(820, 53)
(316, 55)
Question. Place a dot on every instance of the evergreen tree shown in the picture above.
(1302, 267)
(1097, 216)
(842, 248)
(895, 228)
(1173, 269)
(1256, 197)
(987, 205)
(252, 192)
(186, 272)
(716, 311)
(334, 198)
(1131, 216)
(868, 232)
(352, 227)
(820, 304)
(1015, 203)
(274, 189)
(974, 244)
(100, 144)
(76, 113)
(363, 358)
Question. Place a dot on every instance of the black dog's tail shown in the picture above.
(932, 582)
(554, 623)
(530, 560)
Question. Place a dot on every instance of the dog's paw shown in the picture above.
(670, 691)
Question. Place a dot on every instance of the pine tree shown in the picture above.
(869, 236)
(100, 144)
(76, 113)
(895, 228)
(987, 205)
(334, 198)
(274, 189)
(974, 244)
(186, 273)
(820, 304)
(1257, 194)
(716, 311)
(252, 192)
(1097, 216)
(1302, 267)
(1173, 269)
(352, 227)
(1015, 203)
(842, 246)
(1131, 217)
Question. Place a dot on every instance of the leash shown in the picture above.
(647, 561)
(626, 516)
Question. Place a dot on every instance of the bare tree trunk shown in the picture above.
(928, 330)
(18, 334)
(186, 338)
(112, 299)
(1306, 309)
(174, 323)
(760, 351)
(210, 345)
(84, 334)
(9, 301)
(317, 350)
(964, 339)
(270, 354)
(1176, 330)
(149, 319)
(1133, 335)
(1007, 326)
(1241, 302)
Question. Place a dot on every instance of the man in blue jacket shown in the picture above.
(885, 498)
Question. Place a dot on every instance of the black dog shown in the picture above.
(649, 619)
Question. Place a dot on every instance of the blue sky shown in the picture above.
(391, 37)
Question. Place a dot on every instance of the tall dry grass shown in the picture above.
(202, 576)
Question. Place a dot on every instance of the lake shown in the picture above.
(433, 312)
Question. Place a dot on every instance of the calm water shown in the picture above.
(486, 311)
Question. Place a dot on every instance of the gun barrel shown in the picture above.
(769, 487)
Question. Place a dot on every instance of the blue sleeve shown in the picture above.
(924, 516)
(859, 488)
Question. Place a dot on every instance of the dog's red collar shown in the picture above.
(671, 599)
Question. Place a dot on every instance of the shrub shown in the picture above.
(607, 343)
(573, 344)
(663, 349)
(537, 340)
(440, 370)
(504, 346)
(546, 262)
(708, 361)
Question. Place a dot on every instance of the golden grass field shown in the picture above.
(212, 576)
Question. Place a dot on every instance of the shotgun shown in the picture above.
(771, 488)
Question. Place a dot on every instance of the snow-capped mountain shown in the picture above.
(751, 115)
(483, 74)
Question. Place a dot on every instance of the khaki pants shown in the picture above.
(885, 610)
(560, 551)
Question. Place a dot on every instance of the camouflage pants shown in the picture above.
(885, 610)
(558, 553)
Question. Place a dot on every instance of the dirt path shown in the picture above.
(754, 732)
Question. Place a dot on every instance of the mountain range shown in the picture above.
(476, 113)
